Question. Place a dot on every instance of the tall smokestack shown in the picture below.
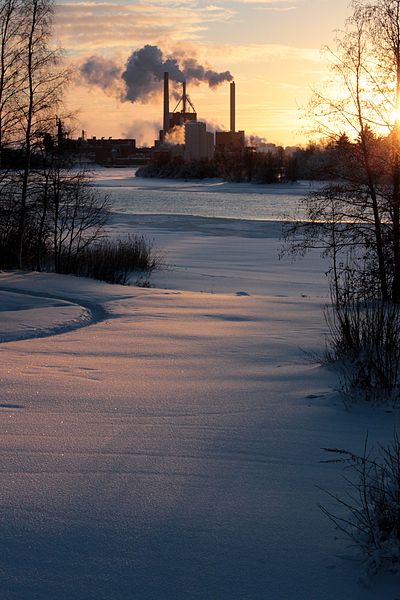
(184, 96)
(166, 103)
(233, 107)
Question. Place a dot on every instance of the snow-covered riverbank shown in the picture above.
(171, 450)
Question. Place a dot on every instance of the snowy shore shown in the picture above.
(171, 448)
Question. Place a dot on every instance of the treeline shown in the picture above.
(51, 218)
(31, 83)
(317, 161)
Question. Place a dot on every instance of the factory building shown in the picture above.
(199, 143)
(184, 111)
(102, 151)
(109, 151)
(230, 141)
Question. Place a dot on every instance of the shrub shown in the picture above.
(113, 260)
(365, 340)
(372, 503)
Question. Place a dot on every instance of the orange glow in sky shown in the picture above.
(272, 48)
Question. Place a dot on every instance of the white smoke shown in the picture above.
(102, 72)
(144, 70)
(212, 126)
(176, 135)
(256, 141)
(145, 132)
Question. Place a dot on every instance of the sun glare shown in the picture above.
(395, 117)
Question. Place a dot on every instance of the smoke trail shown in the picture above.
(102, 72)
(143, 72)
(255, 141)
(176, 136)
(142, 131)
(194, 71)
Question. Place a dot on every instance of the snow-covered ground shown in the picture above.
(171, 448)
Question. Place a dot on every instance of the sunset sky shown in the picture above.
(272, 48)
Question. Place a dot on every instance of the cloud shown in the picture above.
(87, 25)
(273, 4)
(274, 9)
(262, 54)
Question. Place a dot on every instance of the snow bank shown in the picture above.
(172, 449)
(23, 316)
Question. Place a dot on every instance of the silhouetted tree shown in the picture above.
(365, 101)
(10, 76)
(40, 92)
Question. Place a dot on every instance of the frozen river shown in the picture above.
(206, 198)
(166, 443)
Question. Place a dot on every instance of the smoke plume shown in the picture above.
(256, 141)
(103, 72)
(212, 126)
(142, 131)
(143, 72)
(176, 136)
(193, 71)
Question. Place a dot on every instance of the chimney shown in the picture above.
(184, 97)
(233, 107)
(166, 103)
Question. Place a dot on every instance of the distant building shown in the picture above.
(103, 151)
(110, 151)
(177, 118)
(210, 144)
(181, 118)
(199, 143)
(229, 141)
(268, 148)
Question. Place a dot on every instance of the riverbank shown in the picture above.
(172, 448)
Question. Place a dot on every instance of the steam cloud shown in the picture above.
(256, 141)
(100, 71)
(176, 136)
(143, 72)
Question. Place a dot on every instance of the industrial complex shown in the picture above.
(198, 142)
(195, 142)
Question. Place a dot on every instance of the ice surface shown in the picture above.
(171, 450)
(204, 198)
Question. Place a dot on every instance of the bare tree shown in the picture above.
(10, 76)
(78, 217)
(363, 98)
(49, 214)
(40, 94)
